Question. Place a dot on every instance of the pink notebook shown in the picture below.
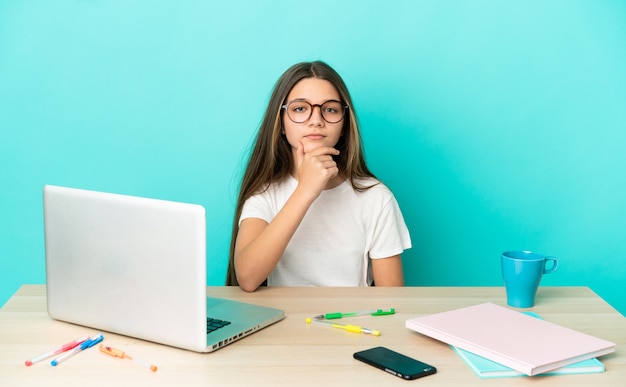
(524, 343)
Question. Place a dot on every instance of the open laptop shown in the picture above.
(137, 267)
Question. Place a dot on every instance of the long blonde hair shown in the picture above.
(271, 157)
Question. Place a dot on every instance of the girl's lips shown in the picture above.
(314, 136)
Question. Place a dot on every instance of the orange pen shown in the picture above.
(121, 354)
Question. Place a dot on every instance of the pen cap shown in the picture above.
(91, 342)
(381, 312)
(111, 351)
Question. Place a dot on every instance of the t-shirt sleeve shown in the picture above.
(257, 206)
(390, 234)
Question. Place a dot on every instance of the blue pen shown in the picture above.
(86, 344)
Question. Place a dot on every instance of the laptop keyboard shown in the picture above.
(213, 324)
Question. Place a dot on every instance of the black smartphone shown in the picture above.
(395, 363)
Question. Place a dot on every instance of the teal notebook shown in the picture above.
(486, 368)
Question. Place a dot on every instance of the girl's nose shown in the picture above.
(316, 118)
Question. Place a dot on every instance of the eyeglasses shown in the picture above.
(299, 111)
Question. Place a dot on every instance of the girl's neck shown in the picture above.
(335, 181)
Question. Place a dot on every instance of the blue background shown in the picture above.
(498, 124)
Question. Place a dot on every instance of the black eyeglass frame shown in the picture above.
(344, 106)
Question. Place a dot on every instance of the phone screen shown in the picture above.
(395, 363)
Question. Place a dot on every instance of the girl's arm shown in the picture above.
(259, 244)
(388, 271)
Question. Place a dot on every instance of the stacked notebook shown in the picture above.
(486, 368)
(522, 343)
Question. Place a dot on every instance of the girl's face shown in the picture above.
(315, 131)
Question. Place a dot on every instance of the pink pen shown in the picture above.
(61, 349)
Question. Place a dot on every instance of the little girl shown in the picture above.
(309, 211)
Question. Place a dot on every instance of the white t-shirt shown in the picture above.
(342, 230)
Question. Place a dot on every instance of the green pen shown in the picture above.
(372, 312)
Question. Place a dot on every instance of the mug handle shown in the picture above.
(552, 269)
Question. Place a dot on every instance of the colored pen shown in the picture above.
(65, 347)
(350, 328)
(121, 354)
(84, 345)
(373, 312)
